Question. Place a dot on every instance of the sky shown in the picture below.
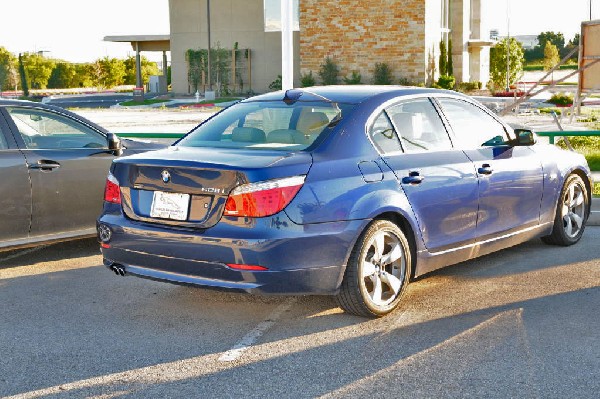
(73, 30)
(531, 17)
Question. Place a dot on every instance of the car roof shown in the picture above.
(352, 94)
(34, 104)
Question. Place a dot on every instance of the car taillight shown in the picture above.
(263, 198)
(112, 190)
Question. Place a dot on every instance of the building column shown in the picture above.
(165, 67)
(460, 14)
(138, 66)
(480, 48)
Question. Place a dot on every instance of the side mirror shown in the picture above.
(525, 137)
(114, 144)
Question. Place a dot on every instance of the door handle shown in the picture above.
(485, 169)
(45, 165)
(414, 177)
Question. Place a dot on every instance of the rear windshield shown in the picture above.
(266, 125)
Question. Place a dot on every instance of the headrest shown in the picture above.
(248, 135)
(286, 136)
(312, 122)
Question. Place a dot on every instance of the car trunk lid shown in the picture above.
(189, 187)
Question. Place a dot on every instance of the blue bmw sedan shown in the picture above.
(348, 191)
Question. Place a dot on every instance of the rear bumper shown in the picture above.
(301, 259)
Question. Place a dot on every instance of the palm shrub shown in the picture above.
(354, 79)
(382, 75)
(329, 72)
(307, 80)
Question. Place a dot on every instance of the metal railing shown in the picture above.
(560, 133)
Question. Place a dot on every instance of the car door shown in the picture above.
(68, 162)
(15, 201)
(438, 180)
(510, 177)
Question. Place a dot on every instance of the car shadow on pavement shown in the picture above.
(513, 350)
(49, 253)
(519, 323)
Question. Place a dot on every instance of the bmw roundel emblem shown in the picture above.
(166, 176)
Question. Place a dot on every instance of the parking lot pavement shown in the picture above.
(519, 323)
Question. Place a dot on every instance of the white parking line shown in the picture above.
(22, 253)
(249, 339)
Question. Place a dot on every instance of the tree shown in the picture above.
(7, 68)
(63, 76)
(110, 72)
(575, 40)
(148, 68)
(443, 62)
(537, 53)
(39, 69)
(23, 75)
(85, 75)
(558, 39)
(551, 57)
(498, 62)
(450, 66)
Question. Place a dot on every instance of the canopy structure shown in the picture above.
(144, 43)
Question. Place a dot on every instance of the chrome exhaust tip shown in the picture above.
(118, 269)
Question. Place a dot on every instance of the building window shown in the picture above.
(273, 15)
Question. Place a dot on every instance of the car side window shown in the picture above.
(3, 144)
(419, 126)
(383, 135)
(46, 130)
(472, 126)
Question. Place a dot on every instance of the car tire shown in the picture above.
(572, 212)
(378, 271)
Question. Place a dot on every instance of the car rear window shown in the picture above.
(273, 125)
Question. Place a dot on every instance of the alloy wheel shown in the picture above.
(573, 209)
(383, 268)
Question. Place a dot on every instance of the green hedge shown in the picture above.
(539, 67)
(533, 68)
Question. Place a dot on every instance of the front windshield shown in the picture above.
(266, 125)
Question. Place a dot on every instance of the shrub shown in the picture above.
(354, 79)
(329, 72)
(469, 86)
(533, 67)
(276, 84)
(446, 82)
(498, 61)
(382, 75)
(561, 99)
(550, 110)
(443, 61)
(307, 80)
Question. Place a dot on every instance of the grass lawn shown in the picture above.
(145, 102)
(596, 190)
(588, 146)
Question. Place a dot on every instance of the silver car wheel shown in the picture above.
(383, 268)
(573, 209)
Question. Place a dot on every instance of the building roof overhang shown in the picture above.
(143, 42)
(476, 43)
